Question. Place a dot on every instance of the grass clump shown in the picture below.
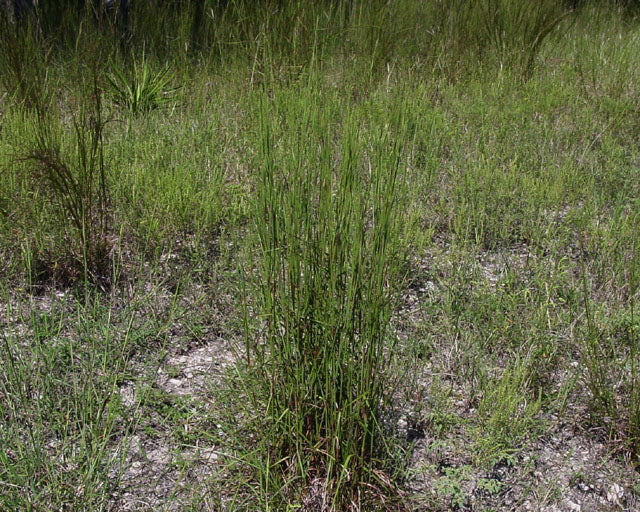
(516, 29)
(73, 176)
(327, 273)
(611, 355)
(61, 413)
(509, 32)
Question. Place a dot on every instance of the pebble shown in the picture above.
(574, 506)
(615, 494)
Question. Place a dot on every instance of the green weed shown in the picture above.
(508, 416)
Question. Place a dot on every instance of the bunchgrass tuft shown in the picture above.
(327, 271)
(72, 174)
(507, 33)
(611, 349)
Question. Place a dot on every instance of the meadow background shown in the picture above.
(331, 255)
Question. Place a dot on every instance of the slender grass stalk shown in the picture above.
(596, 362)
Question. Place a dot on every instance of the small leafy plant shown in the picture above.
(451, 485)
(141, 89)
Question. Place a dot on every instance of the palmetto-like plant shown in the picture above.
(141, 89)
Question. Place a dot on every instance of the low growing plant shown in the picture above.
(508, 415)
(140, 88)
(64, 426)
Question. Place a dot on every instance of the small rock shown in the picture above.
(574, 506)
(583, 487)
(615, 494)
(208, 454)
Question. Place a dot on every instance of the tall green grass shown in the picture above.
(326, 218)
(24, 60)
(326, 140)
(72, 174)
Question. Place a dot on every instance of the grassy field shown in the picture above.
(338, 256)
